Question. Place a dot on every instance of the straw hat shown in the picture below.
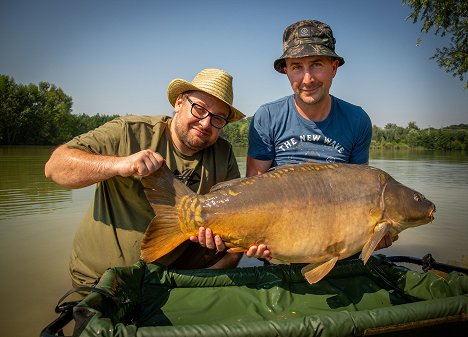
(215, 82)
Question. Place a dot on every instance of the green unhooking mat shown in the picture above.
(353, 300)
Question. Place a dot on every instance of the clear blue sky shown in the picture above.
(117, 57)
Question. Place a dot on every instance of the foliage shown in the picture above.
(454, 137)
(392, 136)
(39, 114)
(29, 114)
(446, 16)
(237, 133)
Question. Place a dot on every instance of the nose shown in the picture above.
(205, 122)
(308, 76)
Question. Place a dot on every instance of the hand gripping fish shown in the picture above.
(305, 213)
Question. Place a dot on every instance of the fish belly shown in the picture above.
(300, 220)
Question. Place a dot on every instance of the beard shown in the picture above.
(309, 98)
(191, 141)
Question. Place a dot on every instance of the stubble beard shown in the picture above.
(193, 143)
(310, 99)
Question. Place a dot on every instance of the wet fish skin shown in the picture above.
(305, 213)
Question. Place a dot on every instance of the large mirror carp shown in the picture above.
(305, 213)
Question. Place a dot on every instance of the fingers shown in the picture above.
(386, 241)
(206, 239)
(259, 252)
(220, 247)
(143, 163)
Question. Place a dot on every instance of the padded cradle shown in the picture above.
(352, 300)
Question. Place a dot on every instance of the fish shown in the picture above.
(311, 213)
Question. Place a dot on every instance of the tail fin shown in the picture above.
(163, 233)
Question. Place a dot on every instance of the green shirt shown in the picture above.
(110, 234)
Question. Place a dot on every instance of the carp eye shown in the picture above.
(418, 197)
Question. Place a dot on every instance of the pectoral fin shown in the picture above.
(379, 232)
(313, 273)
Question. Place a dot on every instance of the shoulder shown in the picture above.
(222, 145)
(275, 110)
(144, 120)
(352, 111)
(221, 161)
(221, 150)
(342, 104)
(276, 104)
(137, 123)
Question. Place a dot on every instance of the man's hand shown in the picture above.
(259, 252)
(386, 241)
(206, 239)
(142, 163)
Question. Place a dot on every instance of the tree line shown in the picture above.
(453, 137)
(42, 115)
(392, 136)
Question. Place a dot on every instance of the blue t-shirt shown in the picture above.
(279, 133)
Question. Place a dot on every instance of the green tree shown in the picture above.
(446, 16)
(237, 133)
(412, 126)
(378, 139)
(10, 101)
(53, 115)
(413, 139)
(31, 114)
(40, 114)
(394, 134)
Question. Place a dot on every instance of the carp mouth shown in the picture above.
(398, 226)
(431, 213)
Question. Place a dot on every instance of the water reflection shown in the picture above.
(419, 155)
(23, 187)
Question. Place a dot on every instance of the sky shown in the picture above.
(118, 57)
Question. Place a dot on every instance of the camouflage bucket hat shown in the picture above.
(307, 38)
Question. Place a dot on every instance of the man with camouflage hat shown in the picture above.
(117, 154)
(310, 124)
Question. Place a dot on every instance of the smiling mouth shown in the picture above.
(201, 132)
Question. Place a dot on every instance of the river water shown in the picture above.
(38, 219)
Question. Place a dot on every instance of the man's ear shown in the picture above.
(178, 103)
(335, 64)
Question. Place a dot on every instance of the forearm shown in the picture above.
(230, 260)
(255, 166)
(74, 168)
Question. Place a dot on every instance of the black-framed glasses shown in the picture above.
(200, 112)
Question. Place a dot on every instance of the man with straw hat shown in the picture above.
(310, 124)
(117, 154)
